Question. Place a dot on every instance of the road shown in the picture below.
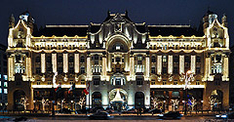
(118, 118)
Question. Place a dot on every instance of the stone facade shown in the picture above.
(139, 62)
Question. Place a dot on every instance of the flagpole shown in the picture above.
(89, 97)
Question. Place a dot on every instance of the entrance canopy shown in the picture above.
(117, 97)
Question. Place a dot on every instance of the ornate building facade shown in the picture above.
(125, 64)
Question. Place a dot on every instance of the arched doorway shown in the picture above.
(139, 100)
(96, 99)
(216, 100)
(118, 99)
(20, 100)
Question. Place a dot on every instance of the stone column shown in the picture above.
(147, 71)
(65, 62)
(207, 68)
(77, 63)
(170, 64)
(89, 71)
(28, 67)
(181, 64)
(54, 62)
(10, 68)
(104, 67)
(193, 64)
(132, 71)
(43, 63)
(159, 64)
(126, 62)
(225, 69)
(109, 62)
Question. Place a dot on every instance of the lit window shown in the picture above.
(5, 77)
(117, 47)
(5, 84)
(0, 76)
(0, 90)
(5, 91)
(164, 59)
(0, 83)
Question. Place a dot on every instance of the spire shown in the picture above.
(224, 20)
(11, 21)
(126, 13)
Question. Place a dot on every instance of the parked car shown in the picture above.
(128, 111)
(225, 116)
(95, 109)
(110, 110)
(171, 115)
(155, 111)
(100, 115)
(65, 111)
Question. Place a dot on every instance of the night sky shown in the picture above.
(86, 11)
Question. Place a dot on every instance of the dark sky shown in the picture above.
(85, 11)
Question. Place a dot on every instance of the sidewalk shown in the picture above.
(192, 114)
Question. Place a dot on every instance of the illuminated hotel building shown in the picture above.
(127, 64)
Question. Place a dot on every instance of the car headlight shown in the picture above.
(224, 116)
(88, 115)
(108, 115)
(161, 115)
(217, 116)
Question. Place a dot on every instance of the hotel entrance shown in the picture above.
(118, 99)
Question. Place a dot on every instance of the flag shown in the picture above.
(86, 91)
(71, 88)
(190, 102)
(58, 88)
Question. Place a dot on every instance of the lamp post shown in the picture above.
(188, 76)
(34, 103)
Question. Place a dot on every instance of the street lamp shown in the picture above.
(187, 79)
(34, 105)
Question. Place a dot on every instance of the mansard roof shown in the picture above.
(175, 30)
(61, 30)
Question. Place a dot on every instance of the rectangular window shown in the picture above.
(82, 70)
(175, 82)
(198, 70)
(118, 81)
(5, 84)
(164, 82)
(198, 59)
(82, 81)
(0, 90)
(153, 59)
(38, 70)
(164, 59)
(175, 70)
(164, 70)
(117, 59)
(139, 60)
(139, 80)
(0, 83)
(5, 77)
(5, 91)
(96, 81)
(153, 82)
(197, 82)
(153, 70)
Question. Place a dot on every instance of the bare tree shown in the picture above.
(193, 103)
(81, 102)
(156, 102)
